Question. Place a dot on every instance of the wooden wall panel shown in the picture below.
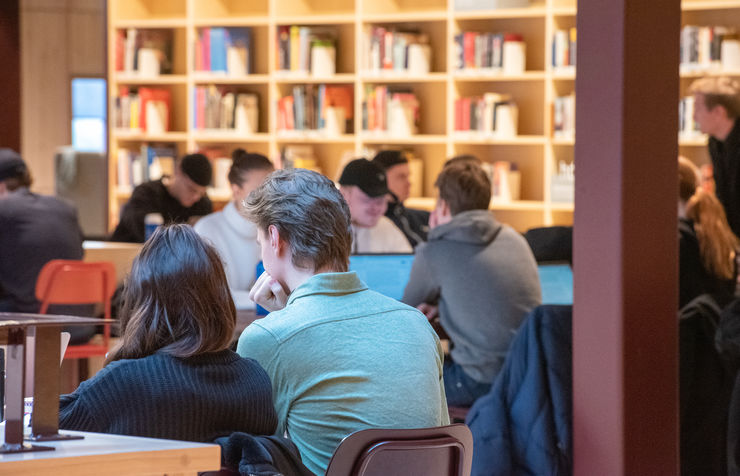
(59, 40)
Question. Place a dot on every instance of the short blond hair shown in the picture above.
(719, 91)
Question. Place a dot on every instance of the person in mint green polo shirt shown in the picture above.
(341, 357)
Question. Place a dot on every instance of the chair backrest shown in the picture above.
(76, 282)
(443, 451)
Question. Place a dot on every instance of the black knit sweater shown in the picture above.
(195, 399)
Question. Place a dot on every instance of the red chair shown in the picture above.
(78, 282)
(438, 451)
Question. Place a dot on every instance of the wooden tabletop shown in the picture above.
(104, 454)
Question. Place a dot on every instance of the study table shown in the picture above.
(101, 454)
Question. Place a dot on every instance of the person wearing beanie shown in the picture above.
(413, 223)
(178, 199)
(233, 236)
(365, 189)
(34, 229)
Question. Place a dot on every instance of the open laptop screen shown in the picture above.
(384, 273)
(556, 281)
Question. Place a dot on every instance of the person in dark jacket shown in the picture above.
(177, 199)
(707, 246)
(413, 223)
(172, 375)
(717, 112)
(34, 229)
(524, 425)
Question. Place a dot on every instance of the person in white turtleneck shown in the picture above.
(233, 236)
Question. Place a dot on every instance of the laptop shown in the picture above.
(384, 273)
(556, 281)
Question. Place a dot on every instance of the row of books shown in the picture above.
(146, 52)
(303, 49)
(562, 183)
(474, 51)
(390, 111)
(490, 114)
(687, 127)
(388, 49)
(564, 48)
(143, 109)
(224, 50)
(150, 162)
(218, 108)
(505, 180)
(564, 117)
(328, 108)
(701, 46)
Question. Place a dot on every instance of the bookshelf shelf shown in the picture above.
(531, 12)
(473, 138)
(373, 138)
(220, 136)
(292, 78)
(311, 137)
(693, 142)
(329, 19)
(348, 23)
(207, 78)
(379, 78)
(474, 75)
(397, 17)
(134, 79)
(708, 5)
(563, 141)
(232, 21)
(137, 136)
(711, 72)
(151, 23)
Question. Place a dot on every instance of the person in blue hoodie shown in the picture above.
(477, 276)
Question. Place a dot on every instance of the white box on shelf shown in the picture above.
(419, 59)
(148, 62)
(335, 121)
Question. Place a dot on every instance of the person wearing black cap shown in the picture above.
(413, 223)
(34, 229)
(178, 199)
(364, 188)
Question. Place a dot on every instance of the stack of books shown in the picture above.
(481, 52)
(295, 49)
(390, 111)
(564, 49)
(150, 162)
(492, 114)
(687, 128)
(564, 117)
(390, 50)
(217, 108)
(701, 47)
(325, 108)
(224, 50)
(143, 109)
(146, 52)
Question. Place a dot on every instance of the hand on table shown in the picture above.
(268, 293)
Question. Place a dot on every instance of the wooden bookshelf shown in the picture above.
(534, 150)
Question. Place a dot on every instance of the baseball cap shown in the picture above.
(388, 158)
(367, 176)
(198, 168)
(11, 163)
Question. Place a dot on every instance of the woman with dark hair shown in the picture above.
(173, 375)
(233, 236)
(707, 246)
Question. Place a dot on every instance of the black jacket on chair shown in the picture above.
(705, 385)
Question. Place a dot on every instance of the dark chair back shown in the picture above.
(438, 451)
(551, 243)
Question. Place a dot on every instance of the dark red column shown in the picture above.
(625, 325)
